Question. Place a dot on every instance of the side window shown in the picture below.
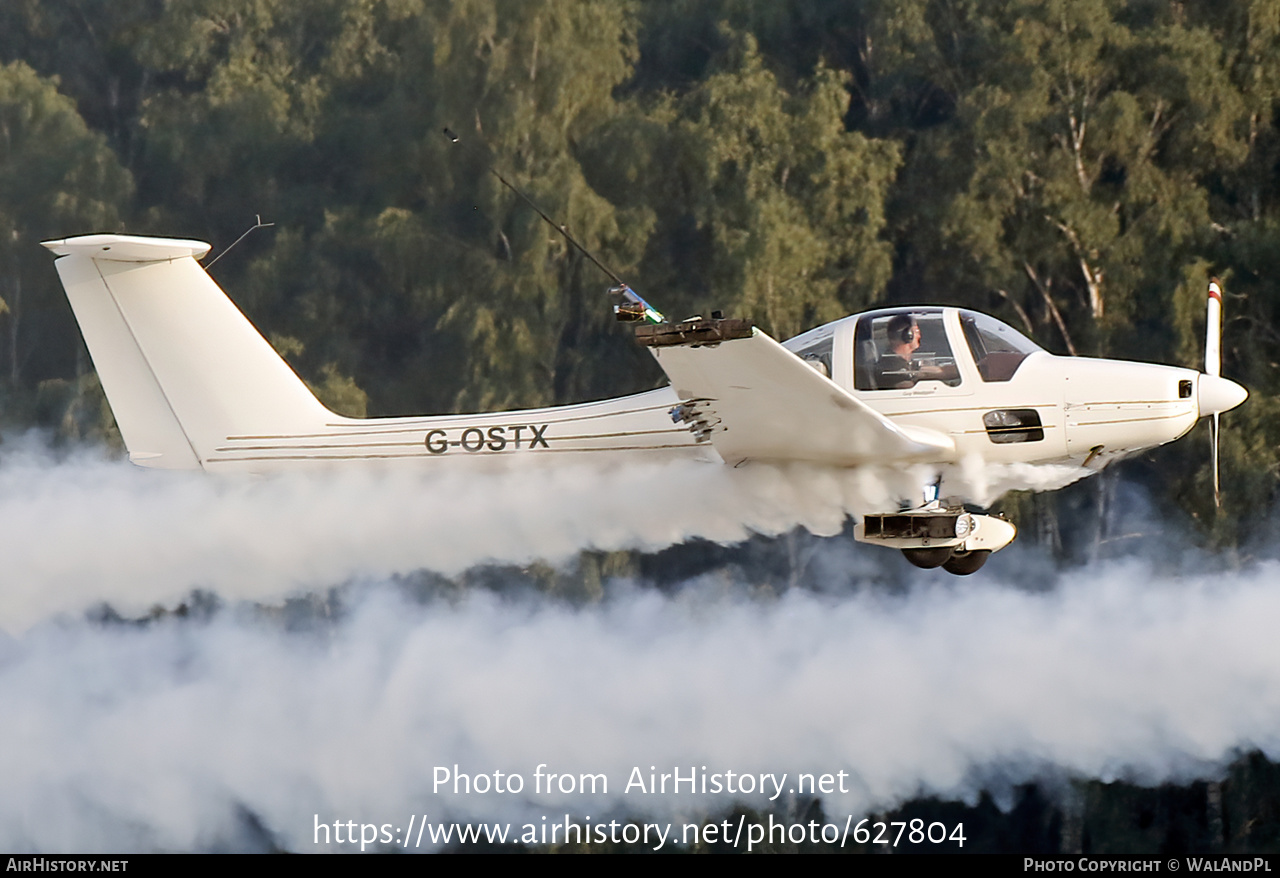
(818, 355)
(899, 350)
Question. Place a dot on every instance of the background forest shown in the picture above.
(1078, 169)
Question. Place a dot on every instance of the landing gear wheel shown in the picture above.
(929, 558)
(964, 563)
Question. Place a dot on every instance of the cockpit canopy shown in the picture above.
(896, 348)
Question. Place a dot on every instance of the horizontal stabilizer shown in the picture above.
(127, 248)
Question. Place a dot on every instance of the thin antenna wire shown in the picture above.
(646, 311)
(453, 138)
(257, 225)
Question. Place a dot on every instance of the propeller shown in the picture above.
(1213, 366)
(1216, 394)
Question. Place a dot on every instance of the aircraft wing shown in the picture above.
(758, 401)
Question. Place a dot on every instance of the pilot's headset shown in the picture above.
(904, 333)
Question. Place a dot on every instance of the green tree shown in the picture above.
(91, 49)
(57, 178)
(764, 203)
(450, 292)
(1075, 160)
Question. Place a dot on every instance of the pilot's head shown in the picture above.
(903, 332)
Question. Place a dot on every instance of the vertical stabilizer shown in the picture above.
(183, 369)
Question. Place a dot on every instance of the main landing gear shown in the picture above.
(949, 559)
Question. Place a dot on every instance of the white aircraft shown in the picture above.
(193, 385)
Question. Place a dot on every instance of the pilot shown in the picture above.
(898, 368)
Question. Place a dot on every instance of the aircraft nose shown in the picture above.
(1216, 394)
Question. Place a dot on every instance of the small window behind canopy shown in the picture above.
(818, 354)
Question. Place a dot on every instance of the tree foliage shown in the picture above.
(55, 174)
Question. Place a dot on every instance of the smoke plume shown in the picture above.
(240, 727)
(85, 531)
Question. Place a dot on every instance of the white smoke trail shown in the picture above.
(156, 738)
(125, 738)
(85, 531)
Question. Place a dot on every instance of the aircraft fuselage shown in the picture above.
(194, 385)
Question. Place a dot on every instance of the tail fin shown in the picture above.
(181, 366)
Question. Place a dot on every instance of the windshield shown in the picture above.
(998, 349)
